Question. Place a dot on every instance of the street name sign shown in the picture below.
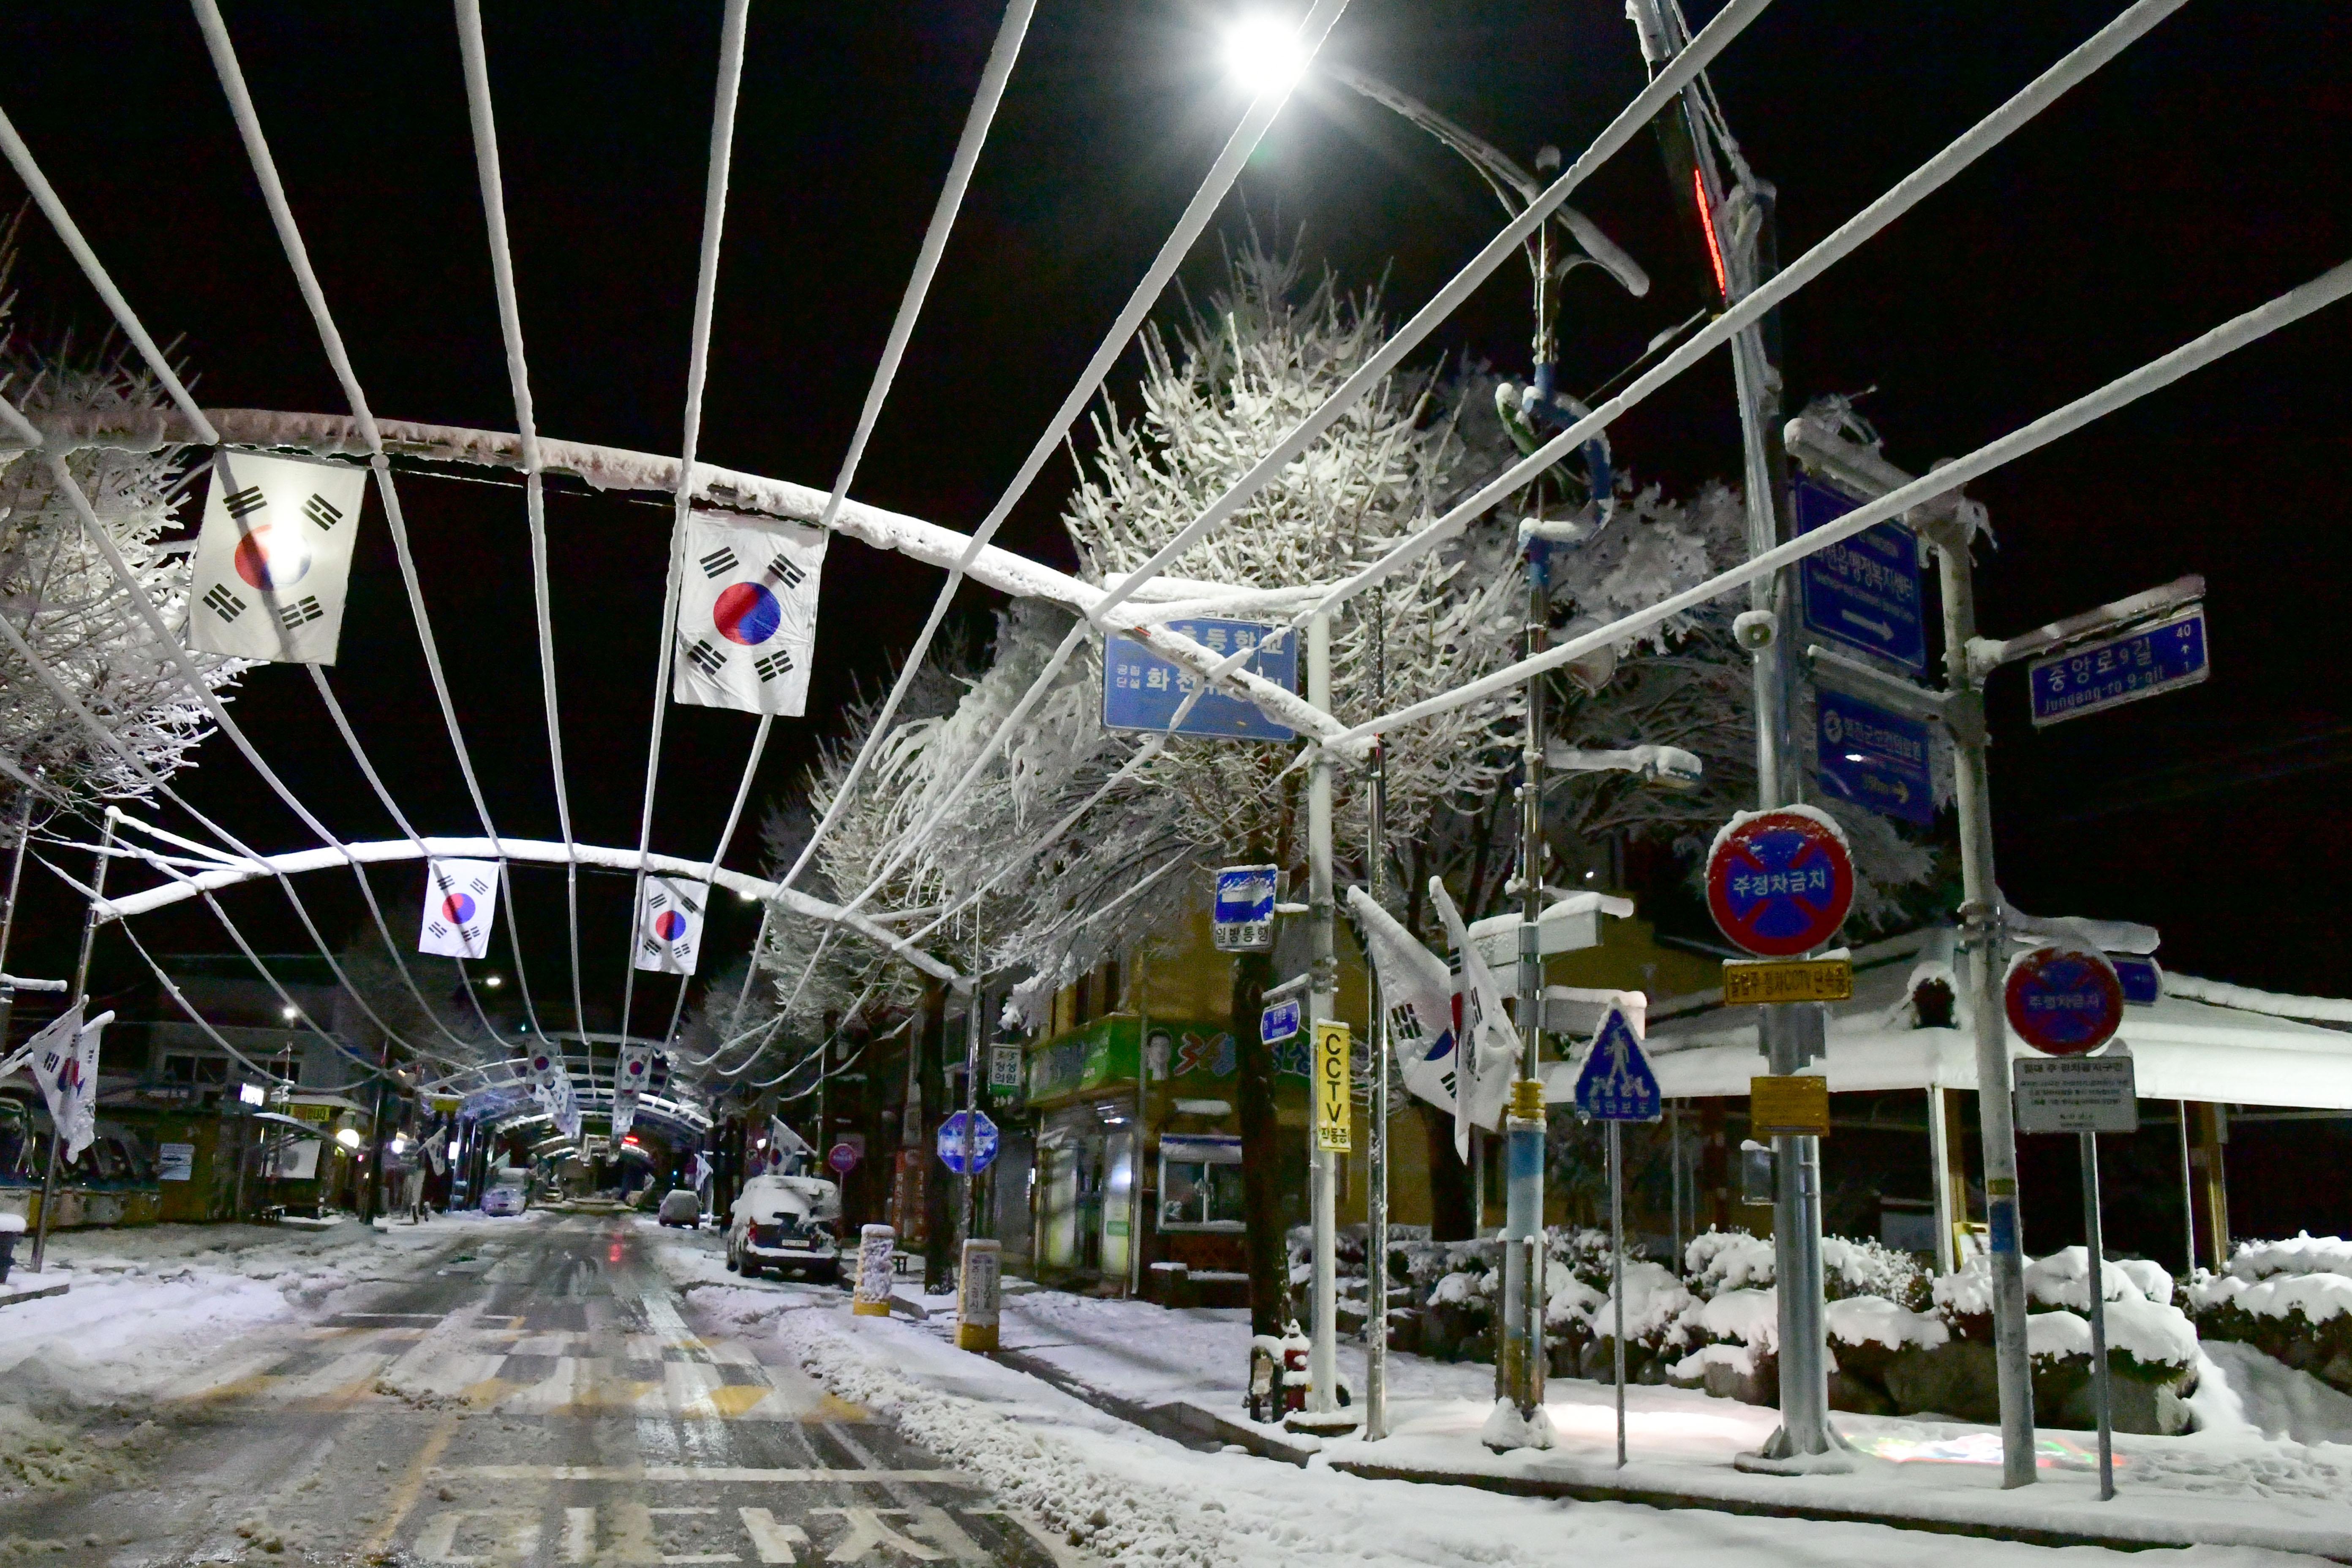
(1874, 758)
(2064, 1001)
(1142, 690)
(984, 1143)
(2107, 674)
(1241, 915)
(2142, 981)
(1779, 883)
(1865, 592)
(1335, 1101)
(2076, 1094)
(1616, 1083)
(1278, 1022)
(1748, 980)
(1788, 1105)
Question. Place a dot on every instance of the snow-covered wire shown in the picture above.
(179, 1001)
(1908, 192)
(698, 362)
(494, 215)
(1205, 201)
(1645, 106)
(2232, 335)
(726, 837)
(314, 297)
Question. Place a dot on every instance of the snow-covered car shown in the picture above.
(681, 1205)
(786, 1225)
(508, 1193)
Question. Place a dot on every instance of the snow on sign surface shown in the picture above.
(2062, 1000)
(1779, 882)
(1142, 690)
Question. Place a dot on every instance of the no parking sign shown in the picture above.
(1779, 882)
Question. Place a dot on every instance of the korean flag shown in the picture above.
(747, 615)
(669, 925)
(273, 557)
(460, 896)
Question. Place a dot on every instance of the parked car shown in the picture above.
(508, 1193)
(786, 1225)
(681, 1207)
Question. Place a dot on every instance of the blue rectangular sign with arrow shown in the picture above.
(1616, 1084)
(1874, 758)
(1866, 591)
(2103, 675)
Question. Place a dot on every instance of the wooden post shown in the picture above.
(1947, 1111)
(1714, 1164)
(2209, 1130)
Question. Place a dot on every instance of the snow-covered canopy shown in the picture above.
(2183, 1048)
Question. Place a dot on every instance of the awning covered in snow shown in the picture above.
(2184, 1048)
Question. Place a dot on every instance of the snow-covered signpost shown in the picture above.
(1616, 1086)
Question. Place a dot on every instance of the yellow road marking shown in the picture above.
(412, 1484)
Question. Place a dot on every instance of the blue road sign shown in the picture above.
(2143, 982)
(1864, 593)
(1240, 916)
(1617, 1084)
(1278, 1022)
(1875, 758)
(984, 1143)
(1142, 690)
(2103, 675)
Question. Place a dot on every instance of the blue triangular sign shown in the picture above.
(1617, 1084)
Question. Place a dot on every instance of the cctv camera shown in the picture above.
(1754, 629)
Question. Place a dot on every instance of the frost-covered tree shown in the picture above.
(65, 603)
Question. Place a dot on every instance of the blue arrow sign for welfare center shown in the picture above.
(1875, 758)
(1142, 690)
(2122, 670)
(1617, 1084)
(984, 1143)
(1864, 592)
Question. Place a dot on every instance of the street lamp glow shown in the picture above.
(492, 981)
(1261, 54)
(349, 1137)
(289, 1013)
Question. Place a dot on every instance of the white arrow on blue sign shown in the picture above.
(1617, 1084)
(1874, 758)
(984, 1143)
(2103, 675)
(1241, 915)
(1865, 592)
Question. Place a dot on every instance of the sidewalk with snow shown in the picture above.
(1129, 1495)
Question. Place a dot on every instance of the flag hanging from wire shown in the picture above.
(551, 1085)
(1490, 1050)
(747, 615)
(669, 923)
(273, 557)
(630, 1076)
(460, 898)
(64, 1059)
(1417, 993)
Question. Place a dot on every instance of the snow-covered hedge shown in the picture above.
(2291, 1300)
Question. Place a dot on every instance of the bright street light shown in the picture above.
(289, 1013)
(1261, 54)
(492, 981)
(349, 1137)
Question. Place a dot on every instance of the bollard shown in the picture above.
(871, 1299)
(979, 1295)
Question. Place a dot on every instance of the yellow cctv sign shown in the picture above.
(1334, 1088)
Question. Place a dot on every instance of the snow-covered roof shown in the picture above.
(2252, 1051)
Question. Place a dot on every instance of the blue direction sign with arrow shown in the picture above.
(984, 1143)
(1617, 1084)
(1142, 690)
(2103, 675)
(1875, 758)
(1865, 592)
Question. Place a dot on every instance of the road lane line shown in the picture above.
(710, 1473)
(412, 1484)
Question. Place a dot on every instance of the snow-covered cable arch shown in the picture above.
(1011, 30)
(2232, 335)
(477, 71)
(21, 159)
(297, 259)
(1912, 188)
(732, 24)
(1645, 107)
(530, 851)
(1264, 107)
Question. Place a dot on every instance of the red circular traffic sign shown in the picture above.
(1779, 883)
(2062, 1000)
(843, 1157)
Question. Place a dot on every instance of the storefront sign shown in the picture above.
(1334, 1088)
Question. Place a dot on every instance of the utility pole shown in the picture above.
(1376, 1251)
(1323, 1358)
(1519, 1361)
(8, 913)
(1792, 1036)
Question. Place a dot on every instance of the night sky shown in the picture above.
(2199, 175)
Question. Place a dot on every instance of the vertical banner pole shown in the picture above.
(80, 998)
(1376, 1259)
(1617, 1269)
(1142, 1120)
(2095, 1257)
(1323, 1357)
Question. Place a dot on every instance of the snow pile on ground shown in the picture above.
(1873, 1320)
(2306, 1253)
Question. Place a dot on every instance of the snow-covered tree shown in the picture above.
(64, 601)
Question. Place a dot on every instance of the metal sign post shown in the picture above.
(2102, 1376)
(1616, 1086)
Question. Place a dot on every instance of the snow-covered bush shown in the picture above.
(1723, 1260)
(2291, 1300)
(1851, 1270)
